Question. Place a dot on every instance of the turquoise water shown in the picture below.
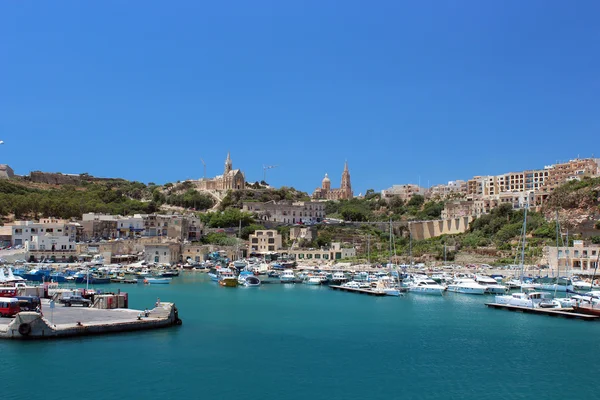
(306, 342)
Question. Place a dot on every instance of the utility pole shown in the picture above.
(265, 168)
(203, 163)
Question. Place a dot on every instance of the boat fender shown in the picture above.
(178, 321)
(24, 329)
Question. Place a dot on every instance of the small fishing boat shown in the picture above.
(157, 281)
(287, 276)
(227, 278)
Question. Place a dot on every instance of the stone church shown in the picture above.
(233, 179)
(327, 193)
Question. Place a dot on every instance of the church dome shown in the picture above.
(326, 179)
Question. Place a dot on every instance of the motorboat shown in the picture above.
(287, 276)
(157, 281)
(227, 278)
(493, 287)
(466, 286)
(312, 280)
(338, 278)
(351, 285)
(426, 286)
(522, 299)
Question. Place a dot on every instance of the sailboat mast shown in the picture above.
(410, 244)
(390, 242)
(523, 248)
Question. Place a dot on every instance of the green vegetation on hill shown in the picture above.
(373, 208)
(236, 198)
(68, 201)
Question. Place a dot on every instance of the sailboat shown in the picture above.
(522, 299)
(388, 288)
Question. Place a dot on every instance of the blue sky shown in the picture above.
(428, 90)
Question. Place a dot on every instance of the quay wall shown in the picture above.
(428, 229)
(32, 326)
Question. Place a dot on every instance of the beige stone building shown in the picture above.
(405, 192)
(578, 258)
(457, 188)
(325, 192)
(287, 212)
(458, 208)
(264, 241)
(232, 179)
(302, 233)
(199, 252)
(333, 253)
(162, 253)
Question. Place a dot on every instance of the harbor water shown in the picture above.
(310, 342)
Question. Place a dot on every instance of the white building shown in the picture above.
(162, 253)
(25, 231)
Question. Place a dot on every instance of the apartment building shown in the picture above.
(580, 256)
(332, 253)
(264, 241)
(25, 231)
(287, 212)
(405, 192)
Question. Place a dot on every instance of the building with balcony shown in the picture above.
(287, 212)
(333, 253)
(405, 192)
(577, 258)
(264, 241)
(25, 231)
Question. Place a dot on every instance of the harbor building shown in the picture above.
(162, 253)
(325, 192)
(334, 252)
(51, 247)
(232, 179)
(287, 211)
(577, 258)
(25, 231)
(264, 241)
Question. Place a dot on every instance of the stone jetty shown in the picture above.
(78, 321)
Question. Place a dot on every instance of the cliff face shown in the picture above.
(578, 205)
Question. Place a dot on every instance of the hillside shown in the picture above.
(578, 206)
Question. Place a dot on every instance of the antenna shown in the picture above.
(203, 163)
(265, 168)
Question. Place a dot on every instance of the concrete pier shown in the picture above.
(564, 313)
(78, 321)
(360, 291)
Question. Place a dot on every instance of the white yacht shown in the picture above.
(426, 286)
(493, 287)
(312, 280)
(351, 285)
(530, 300)
(287, 276)
(466, 286)
(338, 278)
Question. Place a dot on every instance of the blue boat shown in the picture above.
(37, 275)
